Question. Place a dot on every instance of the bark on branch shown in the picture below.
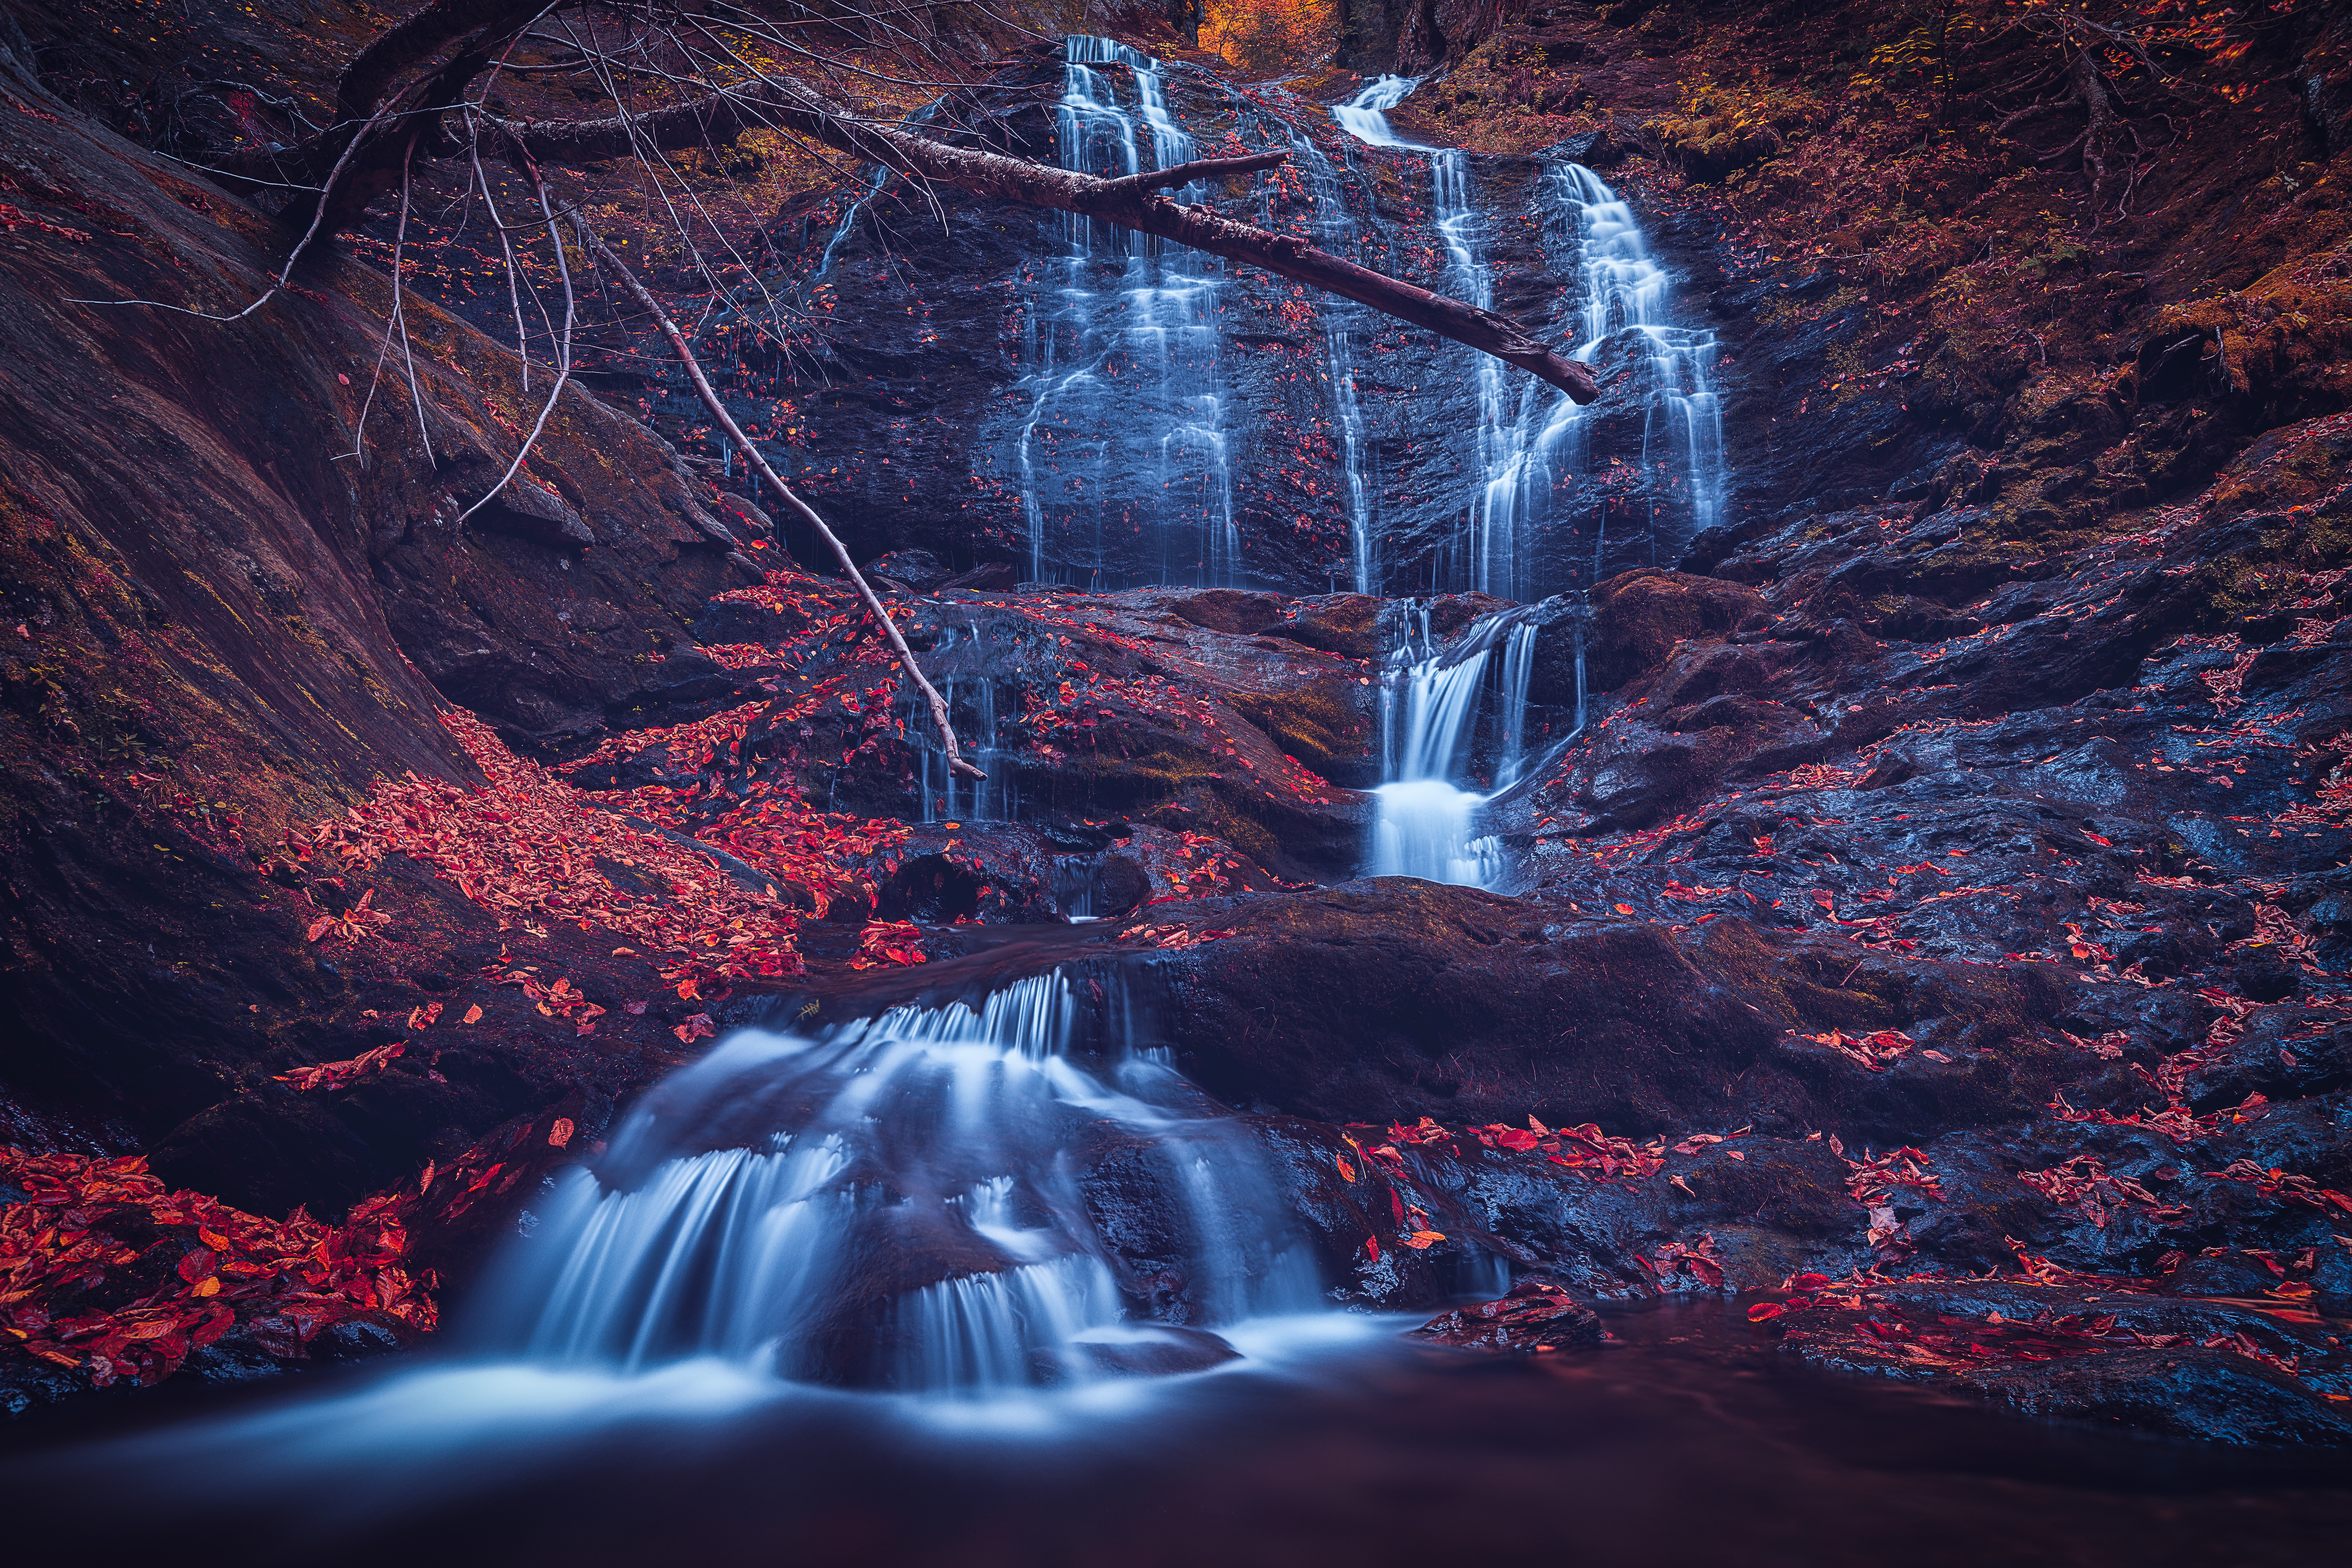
(589, 238)
(1125, 186)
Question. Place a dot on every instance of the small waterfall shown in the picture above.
(1424, 824)
(1336, 230)
(894, 1202)
(1519, 670)
(1123, 424)
(1504, 406)
(1533, 453)
(943, 796)
(1366, 116)
(1625, 292)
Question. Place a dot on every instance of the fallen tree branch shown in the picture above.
(590, 241)
(717, 118)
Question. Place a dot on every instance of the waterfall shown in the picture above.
(1121, 350)
(1533, 451)
(1336, 230)
(1365, 116)
(1625, 292)
(1423, 822)
(945, 798)
(1519, 670)
(896, 1203)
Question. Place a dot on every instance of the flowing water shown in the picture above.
(845, 1297)
(1424, 823)
(1540, 469)
(1122, 393)
(1684, 1439)
(894, 1204)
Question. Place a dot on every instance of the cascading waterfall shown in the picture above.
(895, 1203)
(1423, 822)
(1336, 230)
(1518, 673)
(1122, 384)
(1534, 449)
(1625, 296)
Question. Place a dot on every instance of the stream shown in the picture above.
(1334, 1441)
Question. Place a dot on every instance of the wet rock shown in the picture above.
(1149, 1350)
(1638, 617)
(2073, 1354)
(1535, 1315)
(988, 577)
(1346, 624)
(914, 571)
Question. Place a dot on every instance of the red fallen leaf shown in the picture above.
(1763, 1311)
(196, 1264)
(2096, 839)
(1347, 1171)
(1821, 896)
(319, 928)
(1624, 909)
(474, 1014)
(559, 1134)
(1372, 1246)
(1809, 1281)
(698, 1027)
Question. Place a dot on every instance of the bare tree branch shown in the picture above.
(720, 116)
(605, 256)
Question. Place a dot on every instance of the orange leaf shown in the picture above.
(559, 1134)
(474, 1014)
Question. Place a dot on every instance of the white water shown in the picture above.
(1626, 310)
(1124, 427)
(894, 1204)
(1337, 230)
(1424, 824)
(1533, 453)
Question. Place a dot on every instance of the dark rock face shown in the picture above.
(226, 631)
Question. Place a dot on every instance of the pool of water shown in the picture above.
(1334, 1440)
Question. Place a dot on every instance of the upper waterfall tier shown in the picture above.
(1098, 409)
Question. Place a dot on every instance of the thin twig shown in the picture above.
(400, 303)
(957, 765)
(562, 351)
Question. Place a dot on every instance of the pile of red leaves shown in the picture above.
(1170, 937)
(1585, 1148)
(102, 1267)
(888, 941)
(1877, 1052)
(528, 846)
(2273, 1183)
(1952, 1344)
(332, 1076)
(2083, 1182)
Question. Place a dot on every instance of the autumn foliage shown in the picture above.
(104, 1268)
